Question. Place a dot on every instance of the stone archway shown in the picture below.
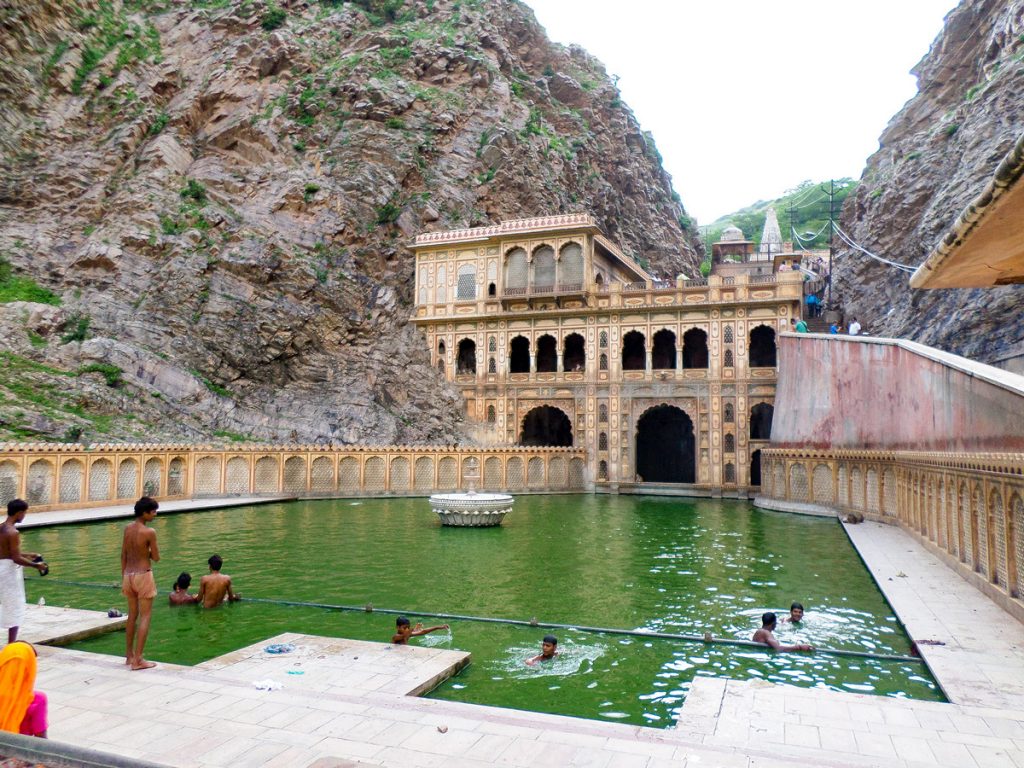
(546, 425)
(665, 446)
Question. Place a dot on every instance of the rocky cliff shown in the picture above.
(935, 156)
(220, 194)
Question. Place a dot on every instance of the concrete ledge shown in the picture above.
(816, 510)
(55, 754)
(123, 511)
(50, 625)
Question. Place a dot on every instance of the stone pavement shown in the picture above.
(61, 626)
(94, 514)
(982, 660)
(326, 664)
(857, 729)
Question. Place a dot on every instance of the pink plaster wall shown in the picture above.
(886, 394)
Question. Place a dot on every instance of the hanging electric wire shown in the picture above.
(850, 242)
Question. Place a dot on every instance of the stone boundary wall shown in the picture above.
(967, 507)
(53, 477)
(862, 393)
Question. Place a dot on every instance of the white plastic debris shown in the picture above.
(267, 685)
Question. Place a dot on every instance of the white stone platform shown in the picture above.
(60, 626)
(332, 665)
(95, 514)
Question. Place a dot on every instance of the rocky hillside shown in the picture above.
(207, 203)
(936, 155)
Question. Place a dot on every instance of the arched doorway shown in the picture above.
(546, 425)
(634, 352)
(762, 347)
(665, 446)
(547, 354)
(761, 421)
(664, 353)
(695, 349)
(519, 355)
(755, 467)
(466, 360)
(574, 358)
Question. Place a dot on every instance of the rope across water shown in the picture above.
(690, 638)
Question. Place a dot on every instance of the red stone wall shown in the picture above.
(841, 392)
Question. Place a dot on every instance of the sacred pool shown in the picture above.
(665, 565)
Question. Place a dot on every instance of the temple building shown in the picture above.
(557, 337)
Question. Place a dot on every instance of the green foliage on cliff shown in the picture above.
(803, 208)
(111, 373)
(20, 288)
(109, 29)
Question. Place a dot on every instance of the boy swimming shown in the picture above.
(548, 650)
(404, 630)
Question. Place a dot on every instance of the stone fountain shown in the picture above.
(471, 509)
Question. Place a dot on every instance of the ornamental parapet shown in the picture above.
(60, 476)
(967, 507)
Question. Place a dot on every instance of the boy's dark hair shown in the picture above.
(15, 506)
(215, 561)
(794, 606)
(144, 505)
(551, 639)
(184, 579)
(768, 618)
(401, 621)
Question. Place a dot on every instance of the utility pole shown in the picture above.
(831, 235)
(831, 232)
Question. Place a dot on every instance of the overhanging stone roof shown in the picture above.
(986, 245)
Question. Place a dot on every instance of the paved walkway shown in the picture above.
(847, 728)
(982, 660)
(94, 514)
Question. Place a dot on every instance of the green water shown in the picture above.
(668, 565)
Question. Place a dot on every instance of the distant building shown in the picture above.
(556, 337)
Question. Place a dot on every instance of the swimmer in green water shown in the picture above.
(404, 630)
(796, 614)
(766, 635)
(548, 650)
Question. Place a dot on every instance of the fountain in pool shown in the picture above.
(471, 509)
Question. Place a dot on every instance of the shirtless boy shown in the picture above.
(548, 650)
(179, 593)
(404, 630)
(12, 560)
(138, 553)
(796, 614)
(215, 587)
(765, 635)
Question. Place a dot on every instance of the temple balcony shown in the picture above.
(716, 289)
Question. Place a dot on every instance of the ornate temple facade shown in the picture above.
(556, 337)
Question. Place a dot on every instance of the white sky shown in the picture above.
(740, 108)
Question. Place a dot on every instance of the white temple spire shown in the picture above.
(771, 237)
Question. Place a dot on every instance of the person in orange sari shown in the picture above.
(22, 710)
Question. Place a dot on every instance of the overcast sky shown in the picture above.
(747, 98)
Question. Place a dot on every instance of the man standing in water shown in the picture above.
(12, 560)
(138, 553)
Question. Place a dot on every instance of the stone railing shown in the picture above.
(508, 228)
(969, 507)
(62, 476)
(679, 293)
